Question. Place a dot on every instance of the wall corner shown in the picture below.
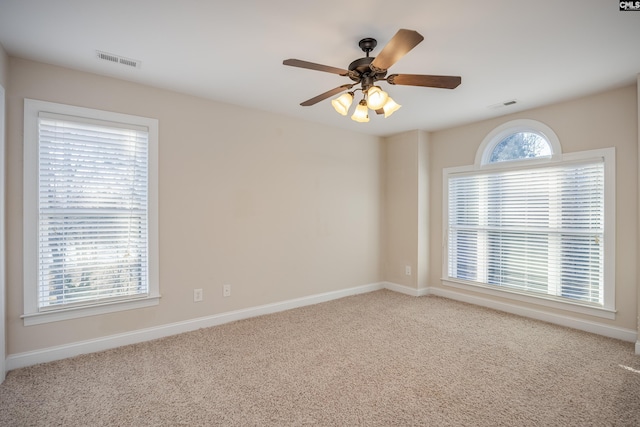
(422, 262)
(638, 221)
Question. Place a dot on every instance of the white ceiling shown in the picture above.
(536, 52)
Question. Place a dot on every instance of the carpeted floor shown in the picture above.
(381, 358)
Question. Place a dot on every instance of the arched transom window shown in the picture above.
(518, 140)
(520, 145)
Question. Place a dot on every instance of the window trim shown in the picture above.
(608, 310)
(32, 316)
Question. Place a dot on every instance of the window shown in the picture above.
(518, 140)
(90, 212)
(533, 223)
(519, 146)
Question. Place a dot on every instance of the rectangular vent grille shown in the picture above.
(118, 59)
(502, 104)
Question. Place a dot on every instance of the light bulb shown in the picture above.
(390, 107)
(376, 97)
(362, 112)
(342, 103)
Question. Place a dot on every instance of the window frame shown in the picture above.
(607, 310)
(32, 315)
(497, 135)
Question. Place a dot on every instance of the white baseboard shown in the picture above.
(20, 360)
(623, 334)
(406, 290)
(50, 354)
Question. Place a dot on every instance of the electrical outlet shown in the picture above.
(226, 290)
(197, 295)
(407, 270)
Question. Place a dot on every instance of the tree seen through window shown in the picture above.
(520, 145)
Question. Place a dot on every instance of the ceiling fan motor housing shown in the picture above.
(360, 70)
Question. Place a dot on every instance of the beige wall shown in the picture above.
(638, 218)
(4, 67)
(401, 207)
(406, 209)
(603, 120)
(424, 206)
(278, 208)
(4, 60)
(281, 208)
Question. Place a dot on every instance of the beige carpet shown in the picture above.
(376, 359)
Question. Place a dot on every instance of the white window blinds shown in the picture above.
(93, 213)
(536, 229)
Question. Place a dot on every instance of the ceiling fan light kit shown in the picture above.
(361, 114)
(389, 107)
(342, 103)
(368, 70)
(376, 98)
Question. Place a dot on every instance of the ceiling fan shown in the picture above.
(369, 70)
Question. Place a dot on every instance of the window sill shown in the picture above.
(94, 310)
(550, 302)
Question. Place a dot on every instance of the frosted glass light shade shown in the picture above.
(376, 98)
(390, 107)
(342, 103)
(362, 113)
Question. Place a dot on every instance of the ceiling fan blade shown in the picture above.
(398, 46)
(444, 82)
(313, 66)
(326, 95)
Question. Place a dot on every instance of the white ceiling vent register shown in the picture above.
(503, 104)
(118, 59)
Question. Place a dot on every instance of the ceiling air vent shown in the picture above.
(502, 104)
(134, 63)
